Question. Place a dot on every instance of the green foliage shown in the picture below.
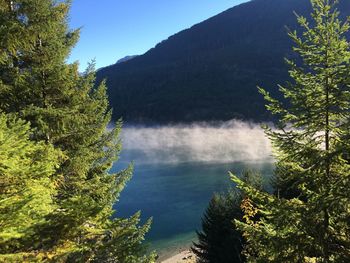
(66, 110)
(27, 185)
(219, 241)
(309, 221)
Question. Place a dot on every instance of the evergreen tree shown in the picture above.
(27, 185)
(67, 110)
(219, 241)
(311, 147)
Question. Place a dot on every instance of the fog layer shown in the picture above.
(227, 142)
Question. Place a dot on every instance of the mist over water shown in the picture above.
(179, 167)
(232, 141)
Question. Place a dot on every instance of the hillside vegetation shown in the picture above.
(210, 71)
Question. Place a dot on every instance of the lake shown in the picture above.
(177, 170)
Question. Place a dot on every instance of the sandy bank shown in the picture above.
(182, 257)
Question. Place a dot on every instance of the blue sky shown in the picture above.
(112, 29)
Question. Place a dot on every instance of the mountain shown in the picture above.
(211, 70)
(126, 58)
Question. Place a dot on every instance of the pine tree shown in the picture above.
(311, 146)
(219, 241)
(27, 185)
(66, 109)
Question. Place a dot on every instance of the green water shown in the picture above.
(176, 195)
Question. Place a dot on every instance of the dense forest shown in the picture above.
(210, 71)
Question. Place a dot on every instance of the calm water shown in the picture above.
(177, 170)
(176, 195)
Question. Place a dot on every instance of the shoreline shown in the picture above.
(170, 247)
(184, 256)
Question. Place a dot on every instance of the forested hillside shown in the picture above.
(210, 71)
